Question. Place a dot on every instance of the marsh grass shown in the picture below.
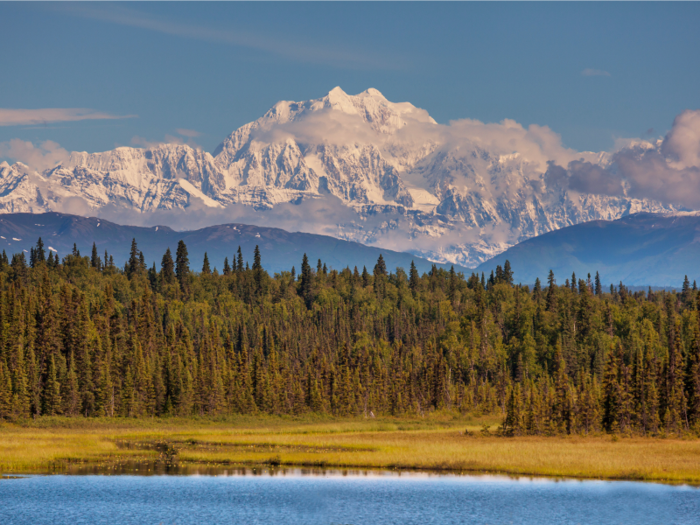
(437, 443)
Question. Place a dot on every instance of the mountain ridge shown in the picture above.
(280, 249)
(386, 174)
(643, 249)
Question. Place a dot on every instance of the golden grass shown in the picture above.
(436, 443)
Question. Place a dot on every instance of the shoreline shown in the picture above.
(434, 446)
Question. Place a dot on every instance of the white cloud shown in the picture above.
(24, 117)
(44, 156)
(668, 171)
(590, 72)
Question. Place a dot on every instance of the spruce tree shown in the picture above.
(167, 268)
(675, 416)
(52, 391)
(258, 272)
(306, 284)
(537, 290)
(206, 269)
(612, 393)
(514, 424)
(507, 273)
(71, 393)
(414, 279)
(380, 276)
(551, 292)
(365, 277)
(5, 392)
(94, 258)
(40, 252)
(239, 260)
(133, 265)
(182, 266)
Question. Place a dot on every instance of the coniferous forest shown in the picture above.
(81, 337)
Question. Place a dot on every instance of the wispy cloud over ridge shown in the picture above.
(28, 117)
(590, 72)
(327, 55)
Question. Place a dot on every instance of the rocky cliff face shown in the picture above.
(391, 175)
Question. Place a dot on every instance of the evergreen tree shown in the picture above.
(380, 276)
(239, 259)
(306, 284)
(94, 258)
(40, 252)
(5, 392)
(365, 277)
(167, 268)
(675, 417)
(182, 266)
(507, 273)
(257, 260)
(551, 292)
(206, 270)
(258, 272)
(537, 290)
(414, 279)
(133, 266)
(71, 394)
(52, 391)
(515, 423)
(612, 393)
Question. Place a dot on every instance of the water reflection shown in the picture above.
(201, 494)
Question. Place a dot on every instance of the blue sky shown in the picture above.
(592, 72)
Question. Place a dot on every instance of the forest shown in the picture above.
(82, 337)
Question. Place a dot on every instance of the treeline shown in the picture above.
(82, 337)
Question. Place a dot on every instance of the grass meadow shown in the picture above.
(436, 443)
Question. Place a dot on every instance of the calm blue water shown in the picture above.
(337, 499)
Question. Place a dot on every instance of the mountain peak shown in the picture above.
(371, 92)
(337, 91)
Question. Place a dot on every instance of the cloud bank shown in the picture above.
(25, 117)
(667, 171)
(42, 157)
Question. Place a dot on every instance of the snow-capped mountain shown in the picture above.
(358, 167)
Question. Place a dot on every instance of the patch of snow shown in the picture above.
(189, 188)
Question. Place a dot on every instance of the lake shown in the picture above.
(292, 497)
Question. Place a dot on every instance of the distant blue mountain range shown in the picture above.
(643, 249)
(280, 250)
